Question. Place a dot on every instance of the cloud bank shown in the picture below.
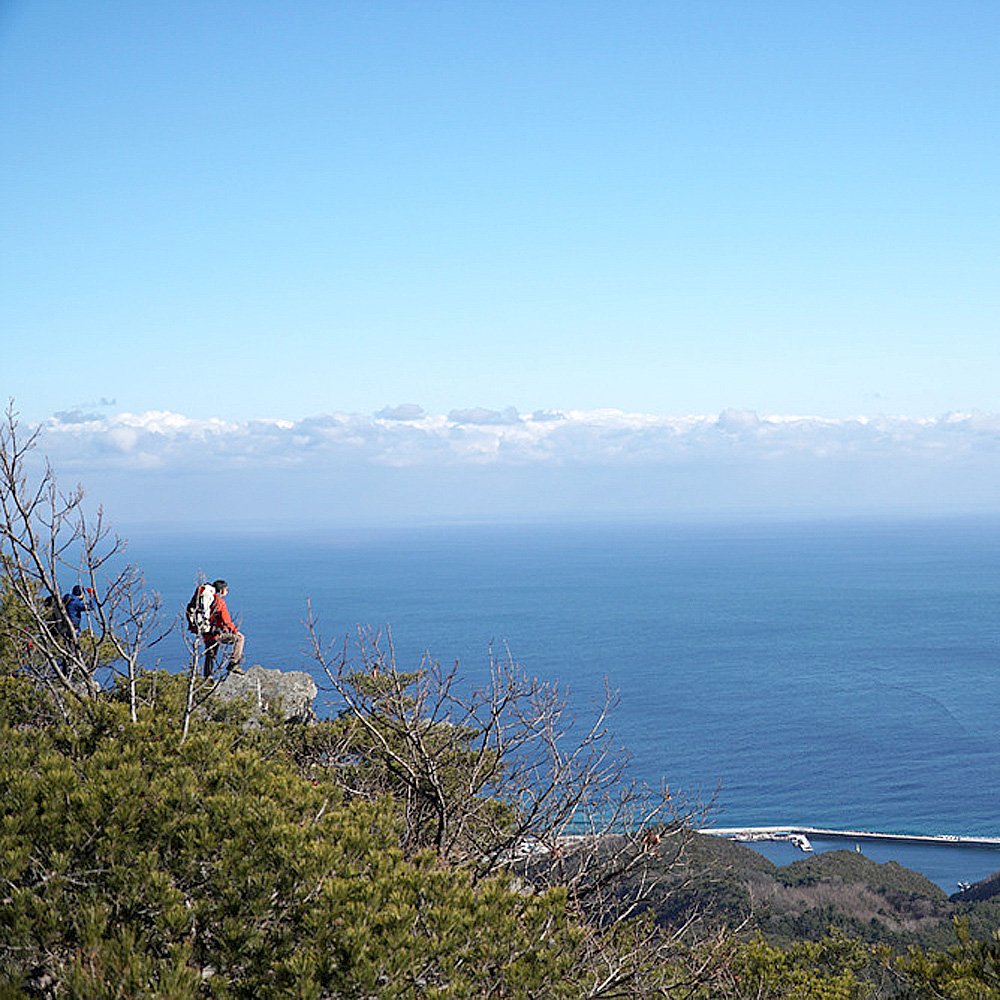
(406, 436)
(401, 459)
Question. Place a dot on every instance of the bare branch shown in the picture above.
(46, 535)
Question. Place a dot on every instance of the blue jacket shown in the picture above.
(75, 607)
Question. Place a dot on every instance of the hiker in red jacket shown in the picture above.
(222, 631)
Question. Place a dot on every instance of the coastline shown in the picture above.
(952, 862)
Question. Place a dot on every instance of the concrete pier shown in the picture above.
(752, 833)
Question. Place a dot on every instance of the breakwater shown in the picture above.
(799, 835)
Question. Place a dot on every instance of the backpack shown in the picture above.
(199, 609)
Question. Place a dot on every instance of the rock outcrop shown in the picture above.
(291, 691)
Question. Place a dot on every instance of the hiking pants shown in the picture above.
(212, 644)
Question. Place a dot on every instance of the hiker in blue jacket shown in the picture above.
(76, 603)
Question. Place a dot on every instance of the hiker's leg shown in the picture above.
(211, 647)
(225, 639)
(234, 639)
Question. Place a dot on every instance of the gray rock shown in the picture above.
(293, 690)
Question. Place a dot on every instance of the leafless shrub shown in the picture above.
(502, 777)
(48, 537)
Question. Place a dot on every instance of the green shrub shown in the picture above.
(135, 865)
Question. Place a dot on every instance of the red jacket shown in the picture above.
(221, 620)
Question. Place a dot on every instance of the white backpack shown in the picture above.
(199, 609)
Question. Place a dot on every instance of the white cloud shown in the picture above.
(480, 416)
(406, 436)
(479, 463)
(406, 411)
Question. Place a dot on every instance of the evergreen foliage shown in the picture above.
(833, 968)
(969, 970)
(851, 866)
(135, 865)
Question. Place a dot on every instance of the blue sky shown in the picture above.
(245, 211)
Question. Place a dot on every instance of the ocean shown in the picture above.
(839, 674)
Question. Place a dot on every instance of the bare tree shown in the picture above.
(456, 750)
(501, 777)
(47, 536)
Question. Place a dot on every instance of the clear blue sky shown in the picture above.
(264, 209)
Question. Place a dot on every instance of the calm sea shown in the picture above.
(837, 675)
